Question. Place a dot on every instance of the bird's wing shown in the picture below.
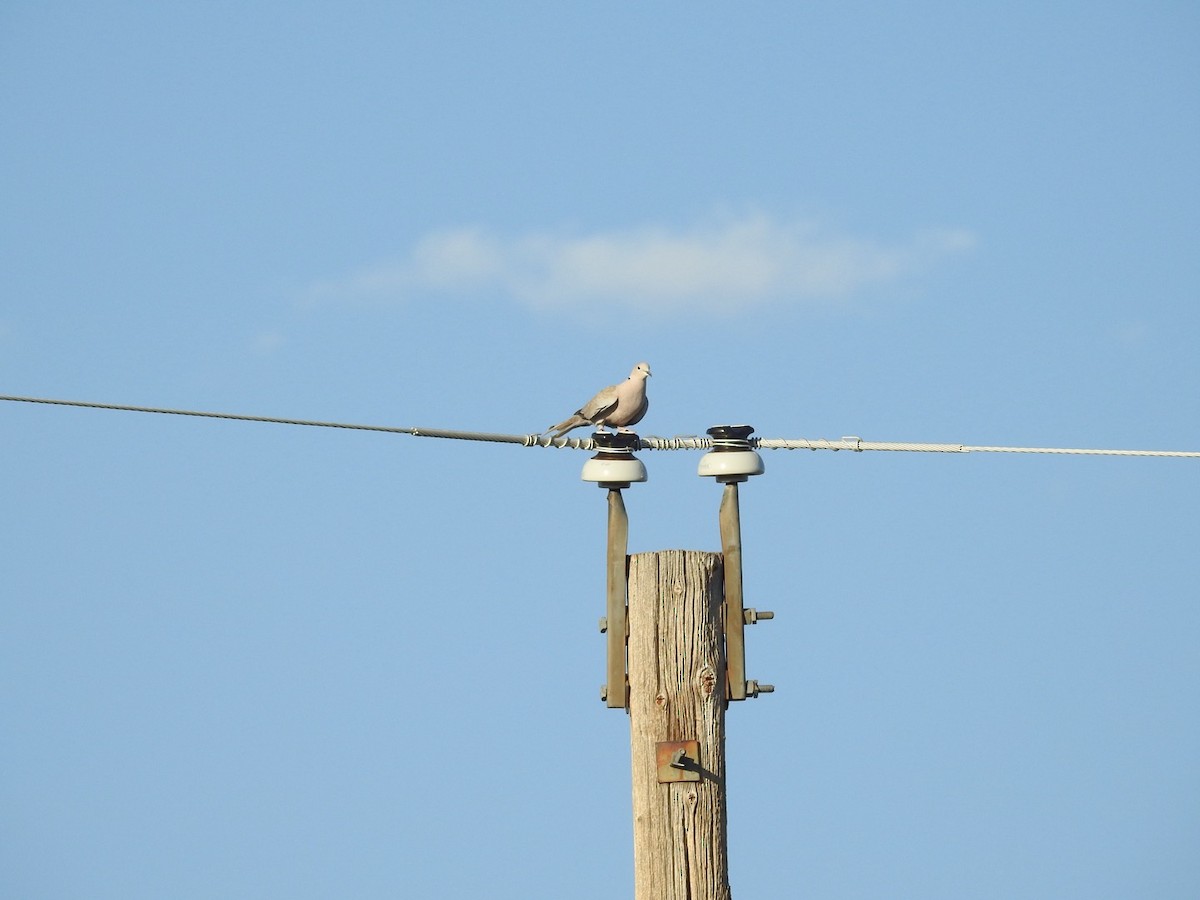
(600, 405)
(591, 413)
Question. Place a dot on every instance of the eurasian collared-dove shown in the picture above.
(618, 405)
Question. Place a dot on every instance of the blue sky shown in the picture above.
(248, 660)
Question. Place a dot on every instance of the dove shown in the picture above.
(618, 405)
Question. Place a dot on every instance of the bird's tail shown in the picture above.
(568, 425)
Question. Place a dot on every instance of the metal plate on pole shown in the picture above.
(677, 761)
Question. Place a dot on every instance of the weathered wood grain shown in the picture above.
(677, 692)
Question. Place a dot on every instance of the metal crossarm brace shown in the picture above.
(735, 617)
(617, 690)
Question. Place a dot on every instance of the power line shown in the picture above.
(207, 415)
(852, 444)
(857, 444)
(528, 440)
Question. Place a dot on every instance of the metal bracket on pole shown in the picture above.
(615, 467)
(730, 462)
(677, 761)
(735, 616)
(616, 693)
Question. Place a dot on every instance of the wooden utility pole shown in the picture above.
(677, 725)
(675, 659)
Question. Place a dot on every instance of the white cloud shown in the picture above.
(716, 268)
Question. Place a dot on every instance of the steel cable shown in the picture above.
(682, 442)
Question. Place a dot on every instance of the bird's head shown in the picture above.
(642, 370)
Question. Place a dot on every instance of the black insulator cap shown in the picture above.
(722, 433)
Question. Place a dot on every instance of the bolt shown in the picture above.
(603, 624)
(604, 693)
(753, 615)
(753, 688)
